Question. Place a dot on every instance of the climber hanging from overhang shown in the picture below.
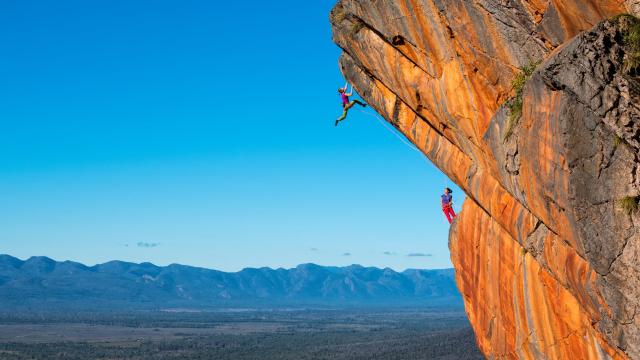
(446, 200)
(346, 104)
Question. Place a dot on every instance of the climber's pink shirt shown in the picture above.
(345, 99)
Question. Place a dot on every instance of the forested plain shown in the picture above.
(239, 334)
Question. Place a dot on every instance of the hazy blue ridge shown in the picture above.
(41, 282)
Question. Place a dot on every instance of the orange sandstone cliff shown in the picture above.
(547, 247)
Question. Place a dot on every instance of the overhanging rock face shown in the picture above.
(547, 260)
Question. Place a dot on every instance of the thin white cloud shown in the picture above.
(417, 254)
(147, 244)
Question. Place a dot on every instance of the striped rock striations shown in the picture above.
(546, 255)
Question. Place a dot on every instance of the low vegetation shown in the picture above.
(632, 41)
(338, 14)
(617, 141)
(382, 334)
(356, 26)
(515, 104)
(629, 204)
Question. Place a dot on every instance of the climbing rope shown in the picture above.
(410, 145)
(402, 138)
(394, 131)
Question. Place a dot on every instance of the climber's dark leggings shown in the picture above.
(349, 106)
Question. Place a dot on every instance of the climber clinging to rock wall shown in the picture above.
(446, 200)
(346, 104)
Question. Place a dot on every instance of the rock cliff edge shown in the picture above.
(533, 108)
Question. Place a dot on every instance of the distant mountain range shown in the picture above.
(41, 282)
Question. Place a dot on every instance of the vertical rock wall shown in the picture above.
(547, 262)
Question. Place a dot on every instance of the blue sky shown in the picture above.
(201, 133)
